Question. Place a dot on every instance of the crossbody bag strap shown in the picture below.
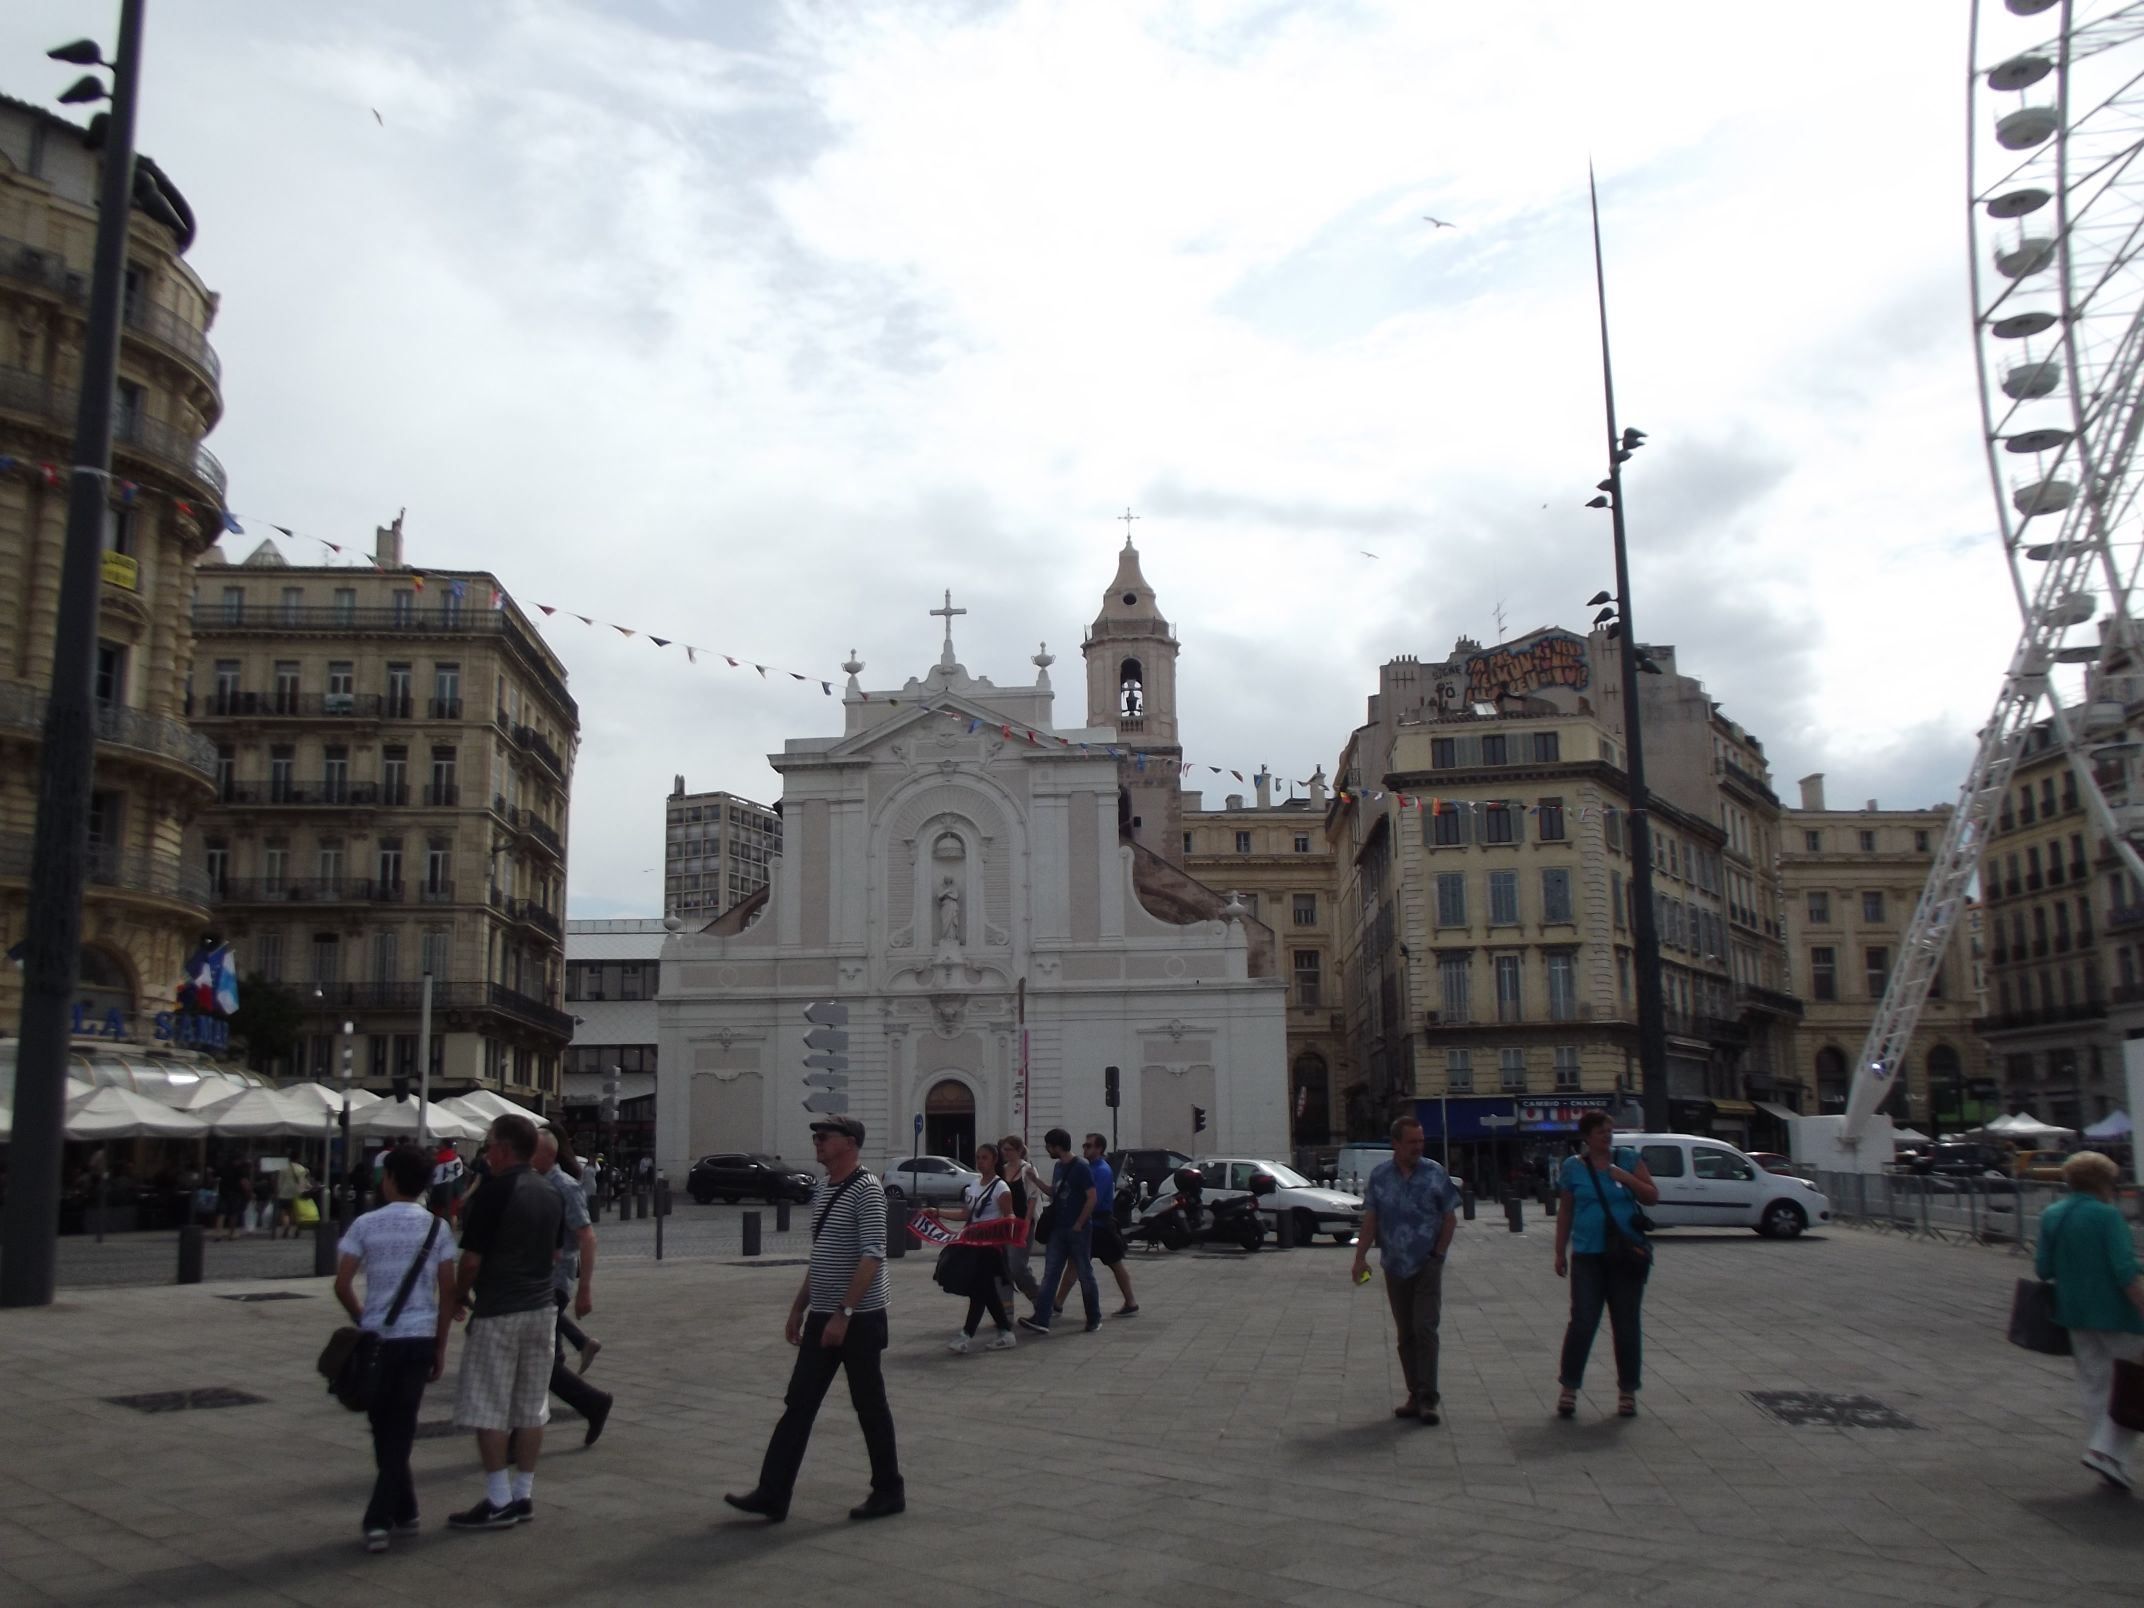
(1614, 1227)
(409, 1279)
(840, 1190)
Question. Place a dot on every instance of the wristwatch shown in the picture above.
(848, 1312)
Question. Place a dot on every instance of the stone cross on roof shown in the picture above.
(945, 656)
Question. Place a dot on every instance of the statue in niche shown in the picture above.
(950, 856)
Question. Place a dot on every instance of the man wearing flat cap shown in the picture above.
(837, 1321)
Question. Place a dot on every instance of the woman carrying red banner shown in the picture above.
(984, 1201)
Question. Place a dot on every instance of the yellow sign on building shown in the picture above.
(122, 570)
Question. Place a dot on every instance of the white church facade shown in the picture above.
(994, 899)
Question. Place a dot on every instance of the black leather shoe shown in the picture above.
(881, 1505)
(757, 1501)
(596, 1421)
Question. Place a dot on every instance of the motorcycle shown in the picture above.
(1181, 1215)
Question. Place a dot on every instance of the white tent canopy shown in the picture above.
(314, 1098)
(262, 1114)
(115, 1113)
(2024, 1125)
(397, 1119)
(2115, 1126)
(484, 1107)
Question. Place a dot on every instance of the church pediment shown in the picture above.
(941, 727)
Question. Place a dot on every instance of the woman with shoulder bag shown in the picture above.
(1027, 1188)
(1601, 1247)
(2086, 1249)
(988, 1198)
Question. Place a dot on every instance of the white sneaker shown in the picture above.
(958, 1345)
(1005, 1341)
(2108, 1469)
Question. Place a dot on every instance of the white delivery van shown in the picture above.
(1708, 1183)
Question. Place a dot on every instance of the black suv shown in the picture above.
(1961, 1159)
(735, 1174)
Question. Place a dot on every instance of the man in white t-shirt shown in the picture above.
(385, 1243)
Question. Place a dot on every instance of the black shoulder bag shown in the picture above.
(840, 1190)
(2033, 1323)
(350, 1362)
(1620, 1252)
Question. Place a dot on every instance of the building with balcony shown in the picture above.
(391, 754)
(1274, 858)
(1852, 880)
(1481, 832)
(716, 849)
(146, 903)
(2063, 934)
(613, 969)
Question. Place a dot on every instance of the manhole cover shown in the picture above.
(1810, 1409)
(776, 1261)
(267, 1295)
(439, 1429)
(175, 1401)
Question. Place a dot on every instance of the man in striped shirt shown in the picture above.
(837, 1321)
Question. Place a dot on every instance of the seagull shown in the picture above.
(1439, 222)
(377, 118)
(1365, 552)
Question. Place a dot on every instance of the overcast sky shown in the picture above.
(758, 326)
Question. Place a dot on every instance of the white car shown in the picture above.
(1315, 1210)
(933, 1179)
(1708, 1183)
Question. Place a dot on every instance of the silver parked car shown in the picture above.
(934, 1180)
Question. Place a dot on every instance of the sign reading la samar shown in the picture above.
(1552, 659)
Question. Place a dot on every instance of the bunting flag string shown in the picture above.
(457, 588)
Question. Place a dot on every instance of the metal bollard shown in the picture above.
(190, 1242)
(1466, 1203)
(1515, 1213)
(1284, 1230)
(896, 1225)
(325, 1240)
(751, 1233)
(781, 1215)
(662, 1210)
(640, 1204)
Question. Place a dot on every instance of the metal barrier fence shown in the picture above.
(1985, 1211)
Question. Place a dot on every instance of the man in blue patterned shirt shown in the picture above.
(1410, 1212)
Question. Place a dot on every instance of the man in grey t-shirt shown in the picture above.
(836, 1322)
(575, 1274)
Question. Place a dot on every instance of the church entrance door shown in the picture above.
(949, 1121)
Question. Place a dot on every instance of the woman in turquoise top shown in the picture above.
(2086, 1248)
(1601, 1175)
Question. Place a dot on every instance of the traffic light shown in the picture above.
(1198, 1119)
(1109, 1087)
(828, 1072)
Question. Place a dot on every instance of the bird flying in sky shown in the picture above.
(1365, 552)
(1439, 222)
(377, 118)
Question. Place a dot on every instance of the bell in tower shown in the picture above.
(1130, 651)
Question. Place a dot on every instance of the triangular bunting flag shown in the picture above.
(827, 687)
(660, 642)
(623, 630)
(732, 663)
(547, 610)
(692, 654)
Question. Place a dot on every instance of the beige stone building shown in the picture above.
(1480, 830)
(393, 757)
(2063, 930)
(1852, 879)
(146, 904)
(716, 851)
(1275, 856)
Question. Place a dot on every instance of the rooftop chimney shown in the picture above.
(1813, 791)
(1234, 801)
(1264, 780)
(387, 542)
(677, 787)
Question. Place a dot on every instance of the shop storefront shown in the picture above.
(1496, 1141)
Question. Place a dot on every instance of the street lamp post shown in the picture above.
(349, 1040)
(29, 1229)
(1652, 1011)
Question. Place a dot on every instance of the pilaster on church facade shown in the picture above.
(965, 876)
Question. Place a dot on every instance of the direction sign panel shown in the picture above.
(827, 1071)
(832, 1105)
(827, 1038)
(827, 1013)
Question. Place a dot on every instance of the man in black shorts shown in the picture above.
(1108, 1238)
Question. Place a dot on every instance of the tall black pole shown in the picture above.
(1652, 1008)
(29, 1228)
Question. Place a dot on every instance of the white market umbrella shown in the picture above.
(2116, 1126)
(483, 1106)
(2032, 1128)
(199, 1095)
(314, 1098)
(261, 1114)
(116, 1113)
(397, 1119)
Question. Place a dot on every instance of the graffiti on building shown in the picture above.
(1552, 659)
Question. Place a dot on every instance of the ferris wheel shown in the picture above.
(2056, 193)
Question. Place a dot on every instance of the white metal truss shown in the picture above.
(2056, 190)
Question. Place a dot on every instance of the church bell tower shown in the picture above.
(1131, 686)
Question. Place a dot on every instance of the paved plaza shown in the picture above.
(1232, 1444)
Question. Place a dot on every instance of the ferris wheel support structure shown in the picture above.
(2070, 406)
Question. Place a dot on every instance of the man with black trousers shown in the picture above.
(407, 1257)
(1072, 1208)
(837, 1323)
(575, 1283)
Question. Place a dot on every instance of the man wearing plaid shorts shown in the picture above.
(509, 1242)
